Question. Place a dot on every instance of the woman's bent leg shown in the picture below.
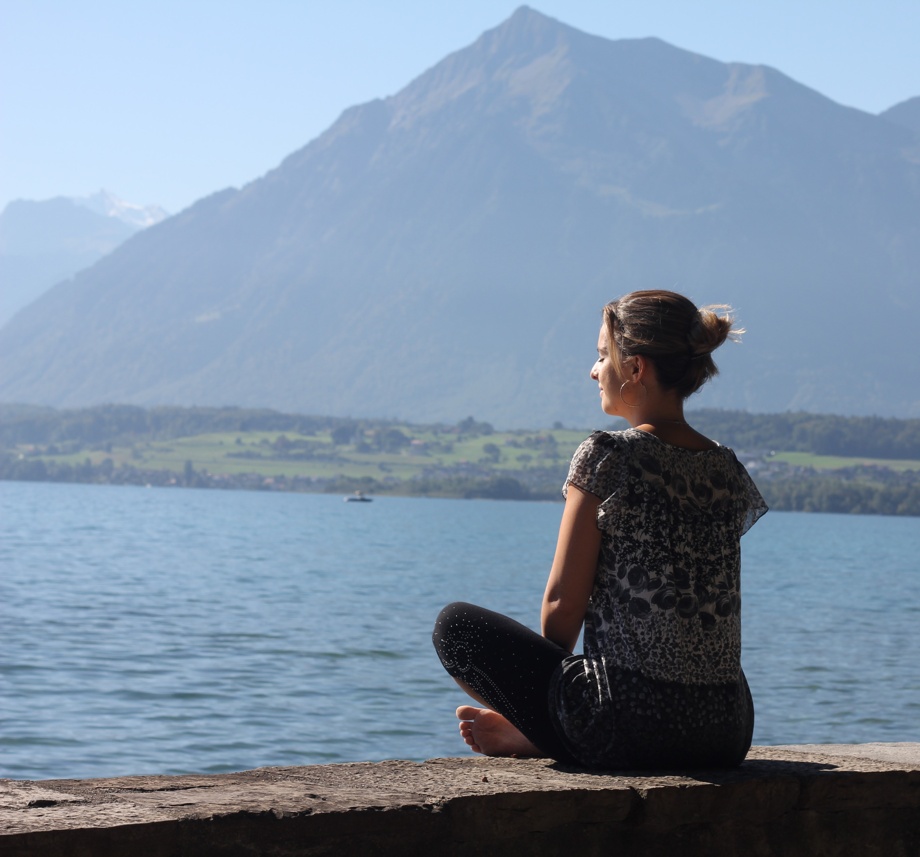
(506, 665)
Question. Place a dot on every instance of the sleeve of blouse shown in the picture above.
(756, 506)
(592, 467)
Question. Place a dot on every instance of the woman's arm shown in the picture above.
(574, 565)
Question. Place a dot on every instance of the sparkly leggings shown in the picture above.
(508, 665)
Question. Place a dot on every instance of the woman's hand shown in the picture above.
(574, 566)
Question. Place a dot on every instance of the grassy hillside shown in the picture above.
(402, 453)
(270, 451)
(840, 462)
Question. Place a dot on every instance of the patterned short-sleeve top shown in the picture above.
(666, 600)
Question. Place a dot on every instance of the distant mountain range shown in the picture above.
(445, 252)
(109, 205)
(43, 243)
(906, 114)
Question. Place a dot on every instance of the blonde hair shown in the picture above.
(669, 330)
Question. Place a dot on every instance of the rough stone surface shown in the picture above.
(798, 800)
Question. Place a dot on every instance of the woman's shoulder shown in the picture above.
(595, 464)
(603, 448)
(611, 439)
(600, 445)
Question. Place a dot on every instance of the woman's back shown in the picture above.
(666, 600)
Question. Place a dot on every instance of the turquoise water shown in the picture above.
(170, 631)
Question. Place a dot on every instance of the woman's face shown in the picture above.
(605, 374)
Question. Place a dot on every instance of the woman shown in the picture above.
(647, 559)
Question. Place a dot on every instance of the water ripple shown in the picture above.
(167, 631)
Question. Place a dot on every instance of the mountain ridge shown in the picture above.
(45, 242)
(905, 113)
(446, 250)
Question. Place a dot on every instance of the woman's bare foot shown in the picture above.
(491, 734)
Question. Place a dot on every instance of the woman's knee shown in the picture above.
(453, 611)
(449, 619)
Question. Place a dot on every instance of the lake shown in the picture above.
(173, 631)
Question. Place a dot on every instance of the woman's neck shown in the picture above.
(662, 415)
(658, 409)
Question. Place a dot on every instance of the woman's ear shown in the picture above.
(639, 367)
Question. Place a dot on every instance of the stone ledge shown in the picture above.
(796, 800)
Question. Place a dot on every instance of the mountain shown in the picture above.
(906, 114)
(109, 205)
(43, 243)
(446, 251)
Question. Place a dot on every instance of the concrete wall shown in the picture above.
(786, 801)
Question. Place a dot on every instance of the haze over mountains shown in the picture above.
(445, 251)
(42, 243)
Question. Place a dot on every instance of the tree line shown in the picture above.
(495, 486)
(27, 424)
(844, 491)
(820, 434)
(122, 424)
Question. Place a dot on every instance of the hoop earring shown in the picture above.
(639, 401)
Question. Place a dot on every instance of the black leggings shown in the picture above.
(505, 663)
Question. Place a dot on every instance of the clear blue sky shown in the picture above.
(165, 102)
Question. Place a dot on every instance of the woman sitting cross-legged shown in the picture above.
(647, 560)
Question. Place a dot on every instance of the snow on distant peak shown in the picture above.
(109, 205)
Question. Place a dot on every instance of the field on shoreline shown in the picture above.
(799, 461)
(316, 456)
(839, 462)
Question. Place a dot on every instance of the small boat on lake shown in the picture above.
(358, 497)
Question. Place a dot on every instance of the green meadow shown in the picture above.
(318, 456)
(840, 462)
(801, 462)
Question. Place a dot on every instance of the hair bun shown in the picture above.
(710, 329)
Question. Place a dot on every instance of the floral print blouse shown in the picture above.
(666, 601)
